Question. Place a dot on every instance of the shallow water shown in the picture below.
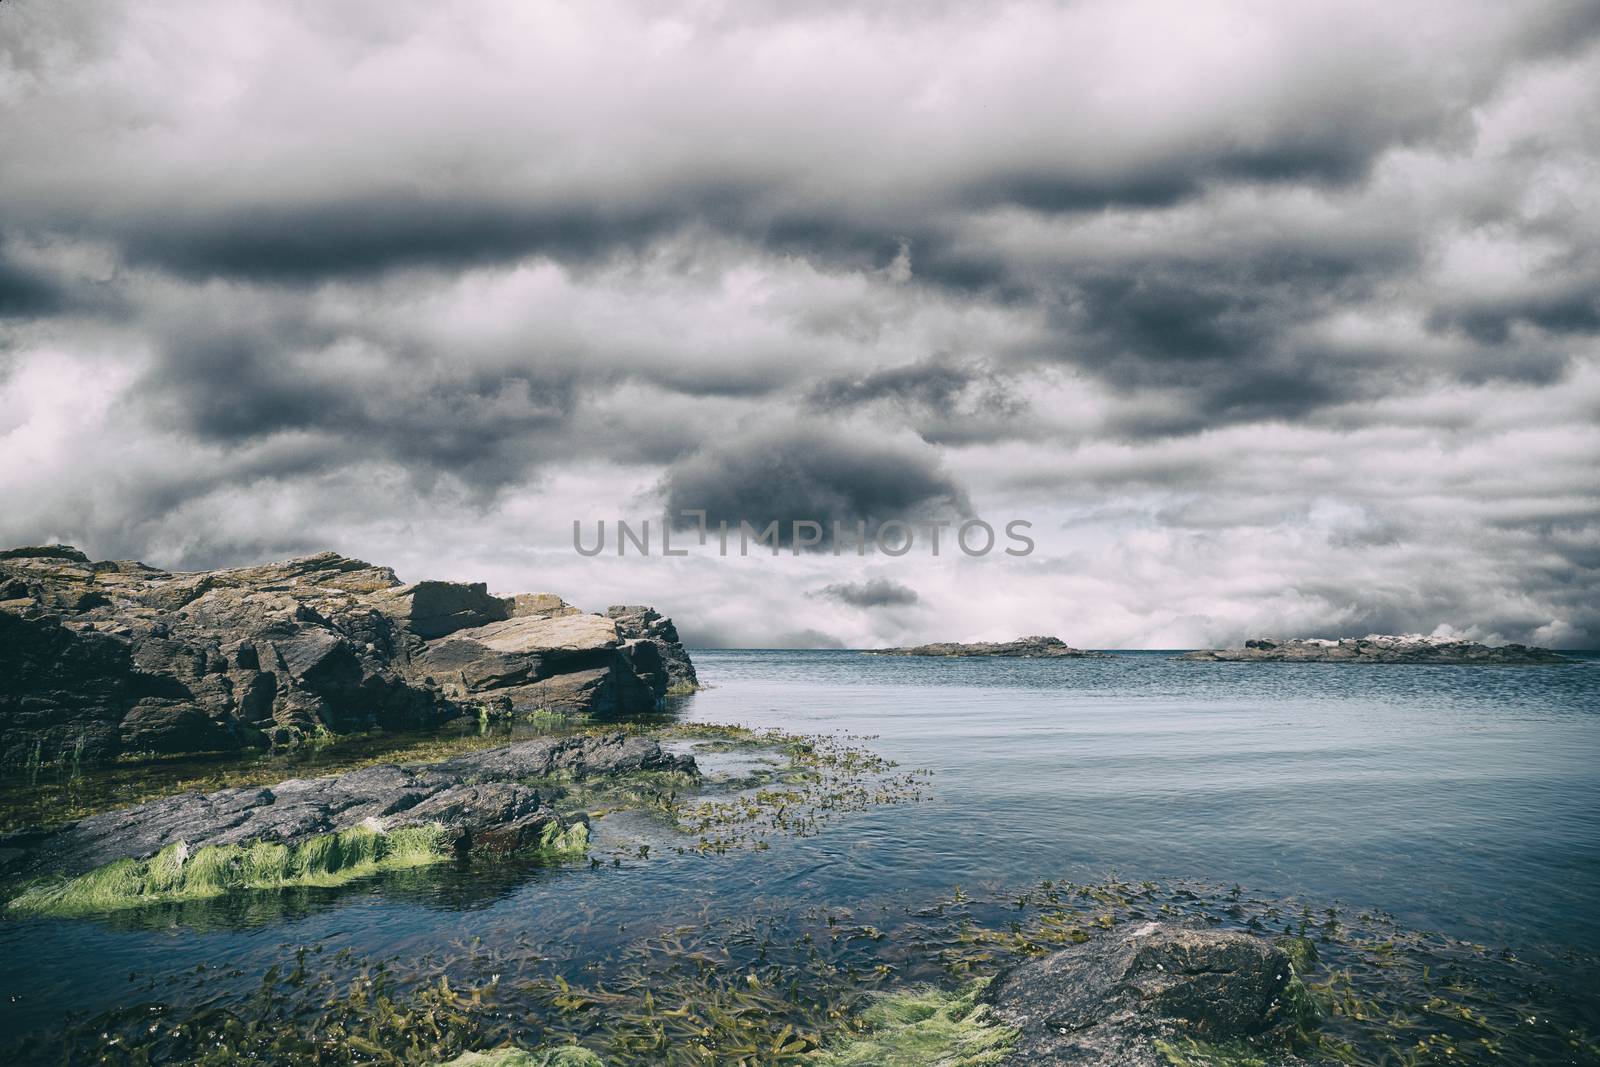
(1464, 800)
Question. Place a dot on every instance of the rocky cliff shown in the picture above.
(99, 659)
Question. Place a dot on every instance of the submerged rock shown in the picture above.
(1021, 648)
(478, 802)
(1378, 648)
(103, 659)
(1153, 997)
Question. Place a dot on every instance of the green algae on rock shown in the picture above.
(921, 1028)
(322, 831)
(176, 874)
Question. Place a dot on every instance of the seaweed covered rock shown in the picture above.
(1379, 648)
(259, 836)
(100, 659)
(1155, 996)
(919, 1027)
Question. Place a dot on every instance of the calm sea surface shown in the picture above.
(1464, 800)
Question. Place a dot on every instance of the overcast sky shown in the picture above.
(1271, 318)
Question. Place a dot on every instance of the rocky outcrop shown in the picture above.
(1378, 648)
(1151, 997)
(100, 659)
(647, 630)
(480, 799)
(1021, 648)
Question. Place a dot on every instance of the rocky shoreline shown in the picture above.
(1158, 995)
(1037, 647)
(1379, 648)
(319, 830)
(100, 660)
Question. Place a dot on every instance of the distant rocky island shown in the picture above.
(114, 658)
(1022, 648)
(1378, 648)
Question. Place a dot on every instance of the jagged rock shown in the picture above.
(1121, 1000)
(1021, 648)
(1378, 648)
(637, 623)
(99, 659)
(476, 796)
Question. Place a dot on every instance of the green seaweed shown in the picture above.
(924, 1028)
(566, 1056)
(1189, 1052)
(175, 873)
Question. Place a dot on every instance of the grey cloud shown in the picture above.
(873, 593)
(25, 291)
(946, 401)
(935, 384)
(819, 474)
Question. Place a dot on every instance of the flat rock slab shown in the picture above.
(565, 633)
(476, 794)
(1109, 1001)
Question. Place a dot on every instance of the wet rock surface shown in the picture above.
(101, 659)
(1141, 999)
(1021, 648)
(1378, 648)
(480, 798)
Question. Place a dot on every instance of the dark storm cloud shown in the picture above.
(379, 231)
(1570, 305)
(873, 593)
(25, 292)
(247, 374)
(818, 474)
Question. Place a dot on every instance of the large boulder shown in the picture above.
(1123, 1000)
(101, 659)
